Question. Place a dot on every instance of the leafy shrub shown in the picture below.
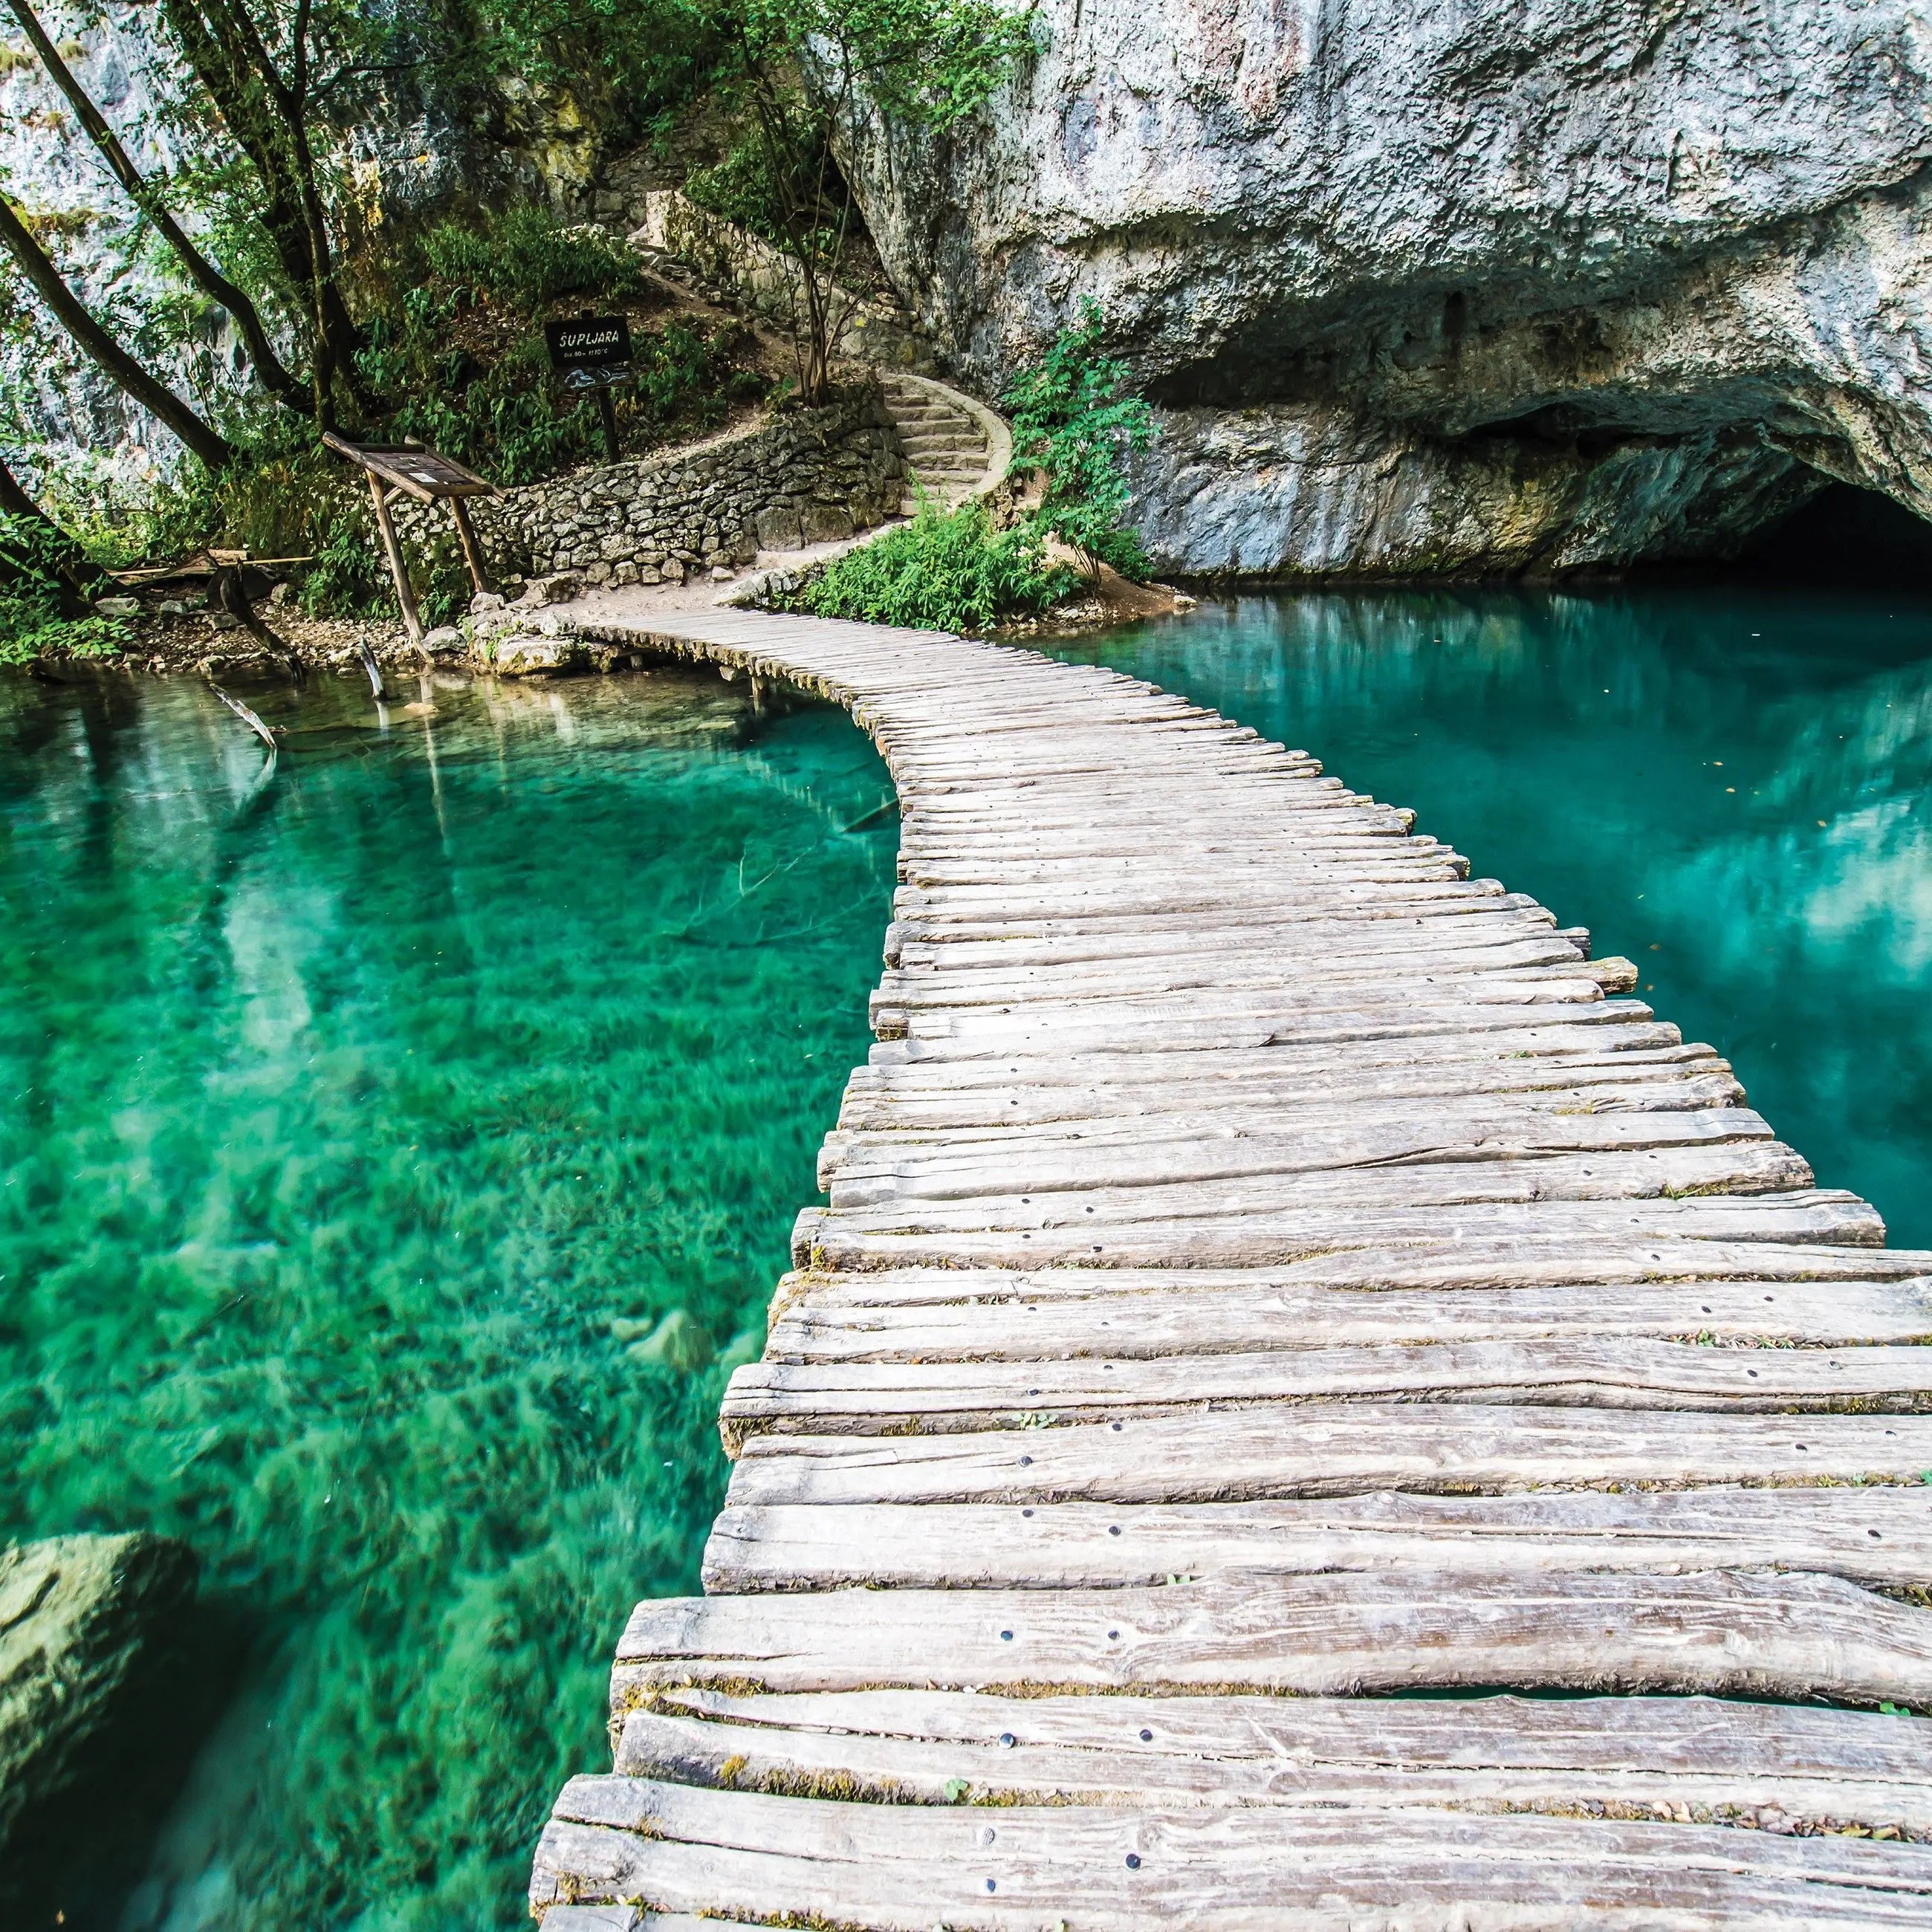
(944, 572)
(474, 381)
(526, 255)
(349, 576)
(32, 621)
(1074, 418)
(32, 626)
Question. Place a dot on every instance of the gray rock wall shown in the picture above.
(808, 477)
(1432, 232)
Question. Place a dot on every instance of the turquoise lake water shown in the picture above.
(399, 1146)
(360, 1128)
(1732, 787)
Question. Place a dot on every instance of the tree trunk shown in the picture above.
(72, 569)
(159, 401)
(268, 365)
(233, 67)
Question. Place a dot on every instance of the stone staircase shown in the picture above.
(954, 446)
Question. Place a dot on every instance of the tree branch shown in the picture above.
(268, 365)
(159, 401)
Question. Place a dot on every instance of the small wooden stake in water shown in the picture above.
(374, 670)
(247, 716)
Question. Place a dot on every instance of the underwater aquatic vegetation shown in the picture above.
(346, 1121)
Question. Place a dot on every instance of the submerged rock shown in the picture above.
(77, 1615)
(1572, 282)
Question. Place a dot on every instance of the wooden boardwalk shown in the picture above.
(1267, 1270)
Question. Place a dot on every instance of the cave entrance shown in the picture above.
(1846, 536)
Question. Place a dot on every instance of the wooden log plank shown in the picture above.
(680, 1848)
(978, 1317)
(875, 1102)
(1274, 969)
(875, 1169)
(1254, 1134)
(827, 1240)
(1630, 1758)
(1175, 1010)
(1879, 1536)
(956, 1201)
(1341, 1634)
(1472, 1038)
(825, 1398)
(1099, 1045)
(1333, 1449)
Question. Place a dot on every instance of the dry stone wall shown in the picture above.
(810, 476)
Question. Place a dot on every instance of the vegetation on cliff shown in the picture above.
(1074, 421)
(284, 252)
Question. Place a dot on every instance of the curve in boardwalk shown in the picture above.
(1265, 1268)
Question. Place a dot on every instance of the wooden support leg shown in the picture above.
(405, 596)
(473, 551)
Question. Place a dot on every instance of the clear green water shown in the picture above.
(360, 1127)
(1730, 786)
(341, 1116)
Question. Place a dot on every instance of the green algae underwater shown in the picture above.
(399, 1145)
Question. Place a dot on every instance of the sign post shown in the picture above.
(409, 470)
(593, 352)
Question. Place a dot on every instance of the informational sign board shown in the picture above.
(590, 351)
(409, 470)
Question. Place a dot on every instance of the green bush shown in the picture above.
(32, 626)
(1074, 418)
(32, 622)
(526, 255)
(941, 571)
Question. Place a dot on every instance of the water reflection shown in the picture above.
(1730, 787)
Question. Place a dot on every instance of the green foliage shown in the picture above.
(798, 76)
(502, 418)
(945, 571)
(1074, 418)
(32, 626)
(32, 621)
(349, 577)
(526, 255)
(457, 359)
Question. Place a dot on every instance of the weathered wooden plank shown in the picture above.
(875, 1168)
(1229, 1869)
(1333, 1449)
(828, 1397)
(1817, 1215)
(878, 1109)
(1638, 1757)
(1879, 1535)
(945, 989)
(975, 1316)
(1337, 1634)
(1539, 1045)
(1100, 1043)
(1780, 1280)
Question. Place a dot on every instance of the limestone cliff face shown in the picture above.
(1492, 284)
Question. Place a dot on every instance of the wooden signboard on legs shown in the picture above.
(410, 470)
